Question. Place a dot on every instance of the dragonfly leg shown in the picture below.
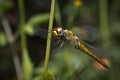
(61, 45)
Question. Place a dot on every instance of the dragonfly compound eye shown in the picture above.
(61, 33)
(58, 31)
(55, 33)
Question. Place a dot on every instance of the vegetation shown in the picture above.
(22, 52)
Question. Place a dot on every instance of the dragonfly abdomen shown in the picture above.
(84, 48)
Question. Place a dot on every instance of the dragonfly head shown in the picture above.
(58, 31)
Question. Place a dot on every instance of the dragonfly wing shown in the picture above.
(87, 33)
(95, 50)
(56, 43)
(56, 47)
(41, 32)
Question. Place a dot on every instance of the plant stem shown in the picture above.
(12, 46)
(23, 38)
(49, 37)
(104, 26)
(22, 22)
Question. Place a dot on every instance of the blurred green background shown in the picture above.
(22, 52)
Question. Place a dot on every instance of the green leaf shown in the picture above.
(35, 20)
(39, 19)
(48, 76)
(5, 5)
(29, 29)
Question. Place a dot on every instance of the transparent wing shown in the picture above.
(41, 32)
(56, 44)
(95, 50)
(87, 33)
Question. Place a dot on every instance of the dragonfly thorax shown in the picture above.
(71, 38)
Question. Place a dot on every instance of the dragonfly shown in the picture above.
(71, 38)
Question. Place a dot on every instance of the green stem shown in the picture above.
(49, 37)
(104, 26)
(22, 22)
(27, 75)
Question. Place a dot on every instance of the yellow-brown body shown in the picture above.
(70, 38)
